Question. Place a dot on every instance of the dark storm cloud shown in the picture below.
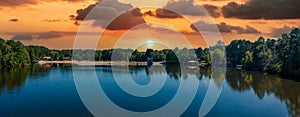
(263, 9)
(20, 37)
(223, 28)
(111, 10)
(187, 7)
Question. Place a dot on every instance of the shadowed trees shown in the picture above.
(280, 56)
(13, 55)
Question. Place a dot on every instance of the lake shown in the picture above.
(50, 91)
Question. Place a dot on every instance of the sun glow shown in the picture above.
(150, 43)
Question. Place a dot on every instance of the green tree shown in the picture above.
(290, 54)
(248, 60)
(236, 50)
(13, 54)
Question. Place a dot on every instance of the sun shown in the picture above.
(150, 43)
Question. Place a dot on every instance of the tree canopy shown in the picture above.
(279, 56)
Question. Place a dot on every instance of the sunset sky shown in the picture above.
(54, 23)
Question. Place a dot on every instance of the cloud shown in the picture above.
(150, 13)
(258, 22)
(14, 20)
(217, 0)
(52, 20)
(263, 9)
(103, 10)
(111, 10)
(163, 13)
(49, 35)
(42, 35)
(14, 3)
(214, 11)
(127, 21)
(277, 32)
(17, 3)
(187, 7)
(213, 0)
(77, 23)
(203, 26)
(223, 28)
(20, 37)
(175, 9)
(247, 30)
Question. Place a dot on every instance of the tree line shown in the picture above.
(280, 56)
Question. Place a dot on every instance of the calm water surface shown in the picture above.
(51, 91)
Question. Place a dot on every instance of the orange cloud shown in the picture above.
(223, 28)
(175, 9)
(17, 3)
(14, 20)
(110, 14)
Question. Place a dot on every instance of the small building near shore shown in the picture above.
(46, 58)
(66, 58)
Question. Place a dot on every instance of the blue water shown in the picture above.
(52, 92)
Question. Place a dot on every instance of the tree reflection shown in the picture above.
(286, 90)
(218, 76)
(13, 80)
(175, 71)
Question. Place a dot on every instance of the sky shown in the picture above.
(168, 23)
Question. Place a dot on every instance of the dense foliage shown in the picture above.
(13, 55)
(273, 56)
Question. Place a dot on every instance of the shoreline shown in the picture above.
(98, 63)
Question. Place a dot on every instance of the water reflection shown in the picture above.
(13, 80)
(174, 71)
(287, 91)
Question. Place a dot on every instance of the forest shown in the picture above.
(275, 56)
